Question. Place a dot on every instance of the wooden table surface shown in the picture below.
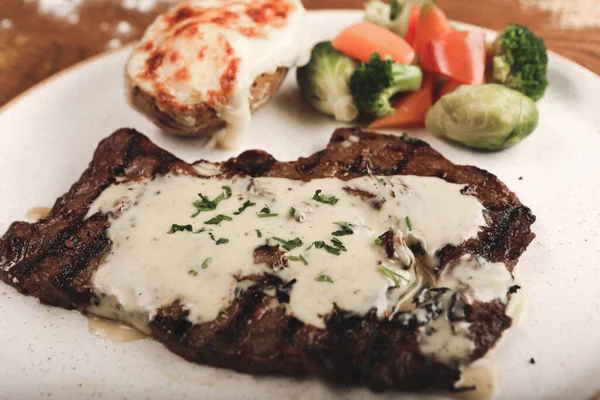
(35, 45)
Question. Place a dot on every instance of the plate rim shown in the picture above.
(117, 53)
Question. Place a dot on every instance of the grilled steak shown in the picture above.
(54, 260)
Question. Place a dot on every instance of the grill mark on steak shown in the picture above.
(254, 333)
(376, 203)
(359, 192)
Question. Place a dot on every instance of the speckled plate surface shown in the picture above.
(48, 135)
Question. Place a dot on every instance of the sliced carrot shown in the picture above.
(448, 87)
(410, 108)
(433, 24)
(364, 38)
(413, 21)
(459, 55)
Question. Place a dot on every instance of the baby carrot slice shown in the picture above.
(410, 108)
(364, 38)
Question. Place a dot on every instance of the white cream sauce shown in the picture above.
(148, 269)
(112, 331)
(476, 279)
(483, 375)
(238, 40)
(482, 280)
(37, 213)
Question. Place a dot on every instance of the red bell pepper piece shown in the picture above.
(413, 22)
(459, 55)
(432, 24)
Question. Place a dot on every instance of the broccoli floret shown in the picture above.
(378, 12)
(374, 83)
(395, 9)
(324, 82)
(520, 61)
(394, 15)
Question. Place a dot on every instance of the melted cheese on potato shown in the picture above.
(212, 51)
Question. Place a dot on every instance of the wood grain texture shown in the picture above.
(38, 46)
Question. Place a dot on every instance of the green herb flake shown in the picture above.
(322, 245)
(386, 182)
(266, 213)
(346, 229)
(408, 139)
(289, 244)
(321, 198)
(378, 241)
(258, 233)
(247, 204)
(408, 223)
(394, 276)
(218, 241)
(218, 219)
(338, 244)
(193, 272)
(206, 204)
(180, 228)
(324, 278)
(206, 262)
(298, 258)
(294, 214)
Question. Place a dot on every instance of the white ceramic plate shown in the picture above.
(47, 138)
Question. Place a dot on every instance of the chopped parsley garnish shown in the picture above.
(321, 198)
(378, 241)
(258, 233)
(324, 278)
(180, 228)
(394, 276)
(205, 204)
(296, 215)
(289, 244)
(218, 219)
(266, 213)
(330, 249)
(298, 258)
(338, 243)
(206, 262)
(346, 229)
(408, 223)
(193, 272)
(247, 204)
(218, 241)
(386, 182)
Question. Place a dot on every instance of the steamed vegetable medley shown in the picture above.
(405, 66)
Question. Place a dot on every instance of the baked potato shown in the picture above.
(200, 119)
(203, 66)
